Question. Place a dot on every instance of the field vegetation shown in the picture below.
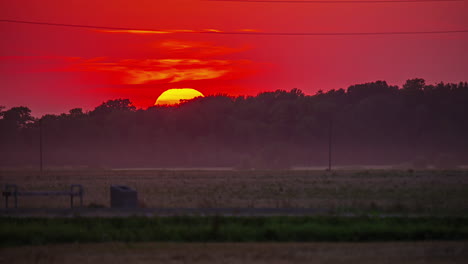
(428, 252)
(426, 192)
(38, 231)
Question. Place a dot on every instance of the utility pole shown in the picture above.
(330, 135)
(40, 144)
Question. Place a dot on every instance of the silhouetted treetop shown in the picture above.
(361, 91)
(114, 106)
(76, 112)
(18, 116)
(373, 123)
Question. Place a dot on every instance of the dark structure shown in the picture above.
(123, 197)
(12, 190)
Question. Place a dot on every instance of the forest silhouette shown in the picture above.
(374, 123)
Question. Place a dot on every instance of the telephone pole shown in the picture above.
(40, 144)
(330, 136)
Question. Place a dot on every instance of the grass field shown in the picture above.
(432, 192)
(132, 240)
(429, 252)
(38, 231)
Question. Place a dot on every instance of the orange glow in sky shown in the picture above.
(181, 62)
(212, 47)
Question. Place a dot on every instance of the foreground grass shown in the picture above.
(38, 231)
(428, 252)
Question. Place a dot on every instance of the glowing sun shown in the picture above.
(175, 96)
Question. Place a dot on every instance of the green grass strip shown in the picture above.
(39, 231)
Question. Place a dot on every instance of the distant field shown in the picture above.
(274, 253)
(432, 192)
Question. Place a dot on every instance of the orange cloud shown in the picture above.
(134, 31)
(174, 31)
(196, 48)
(140, 76)
(167, 70)
(185, 61)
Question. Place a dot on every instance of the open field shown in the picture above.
(275, 253)
(433, 192)
(131, 240)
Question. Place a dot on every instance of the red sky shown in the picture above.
(53, 69)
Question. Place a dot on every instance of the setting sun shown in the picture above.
(174, 96)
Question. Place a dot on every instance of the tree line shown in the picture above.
(372, 123)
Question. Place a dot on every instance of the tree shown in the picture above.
(414, 86)
(372, 123)
(358, 92)
(117, 105)
(76, 112)
(18, 116)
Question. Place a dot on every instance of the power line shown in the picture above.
(67, 25)
(338, 2)
(218, 32)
